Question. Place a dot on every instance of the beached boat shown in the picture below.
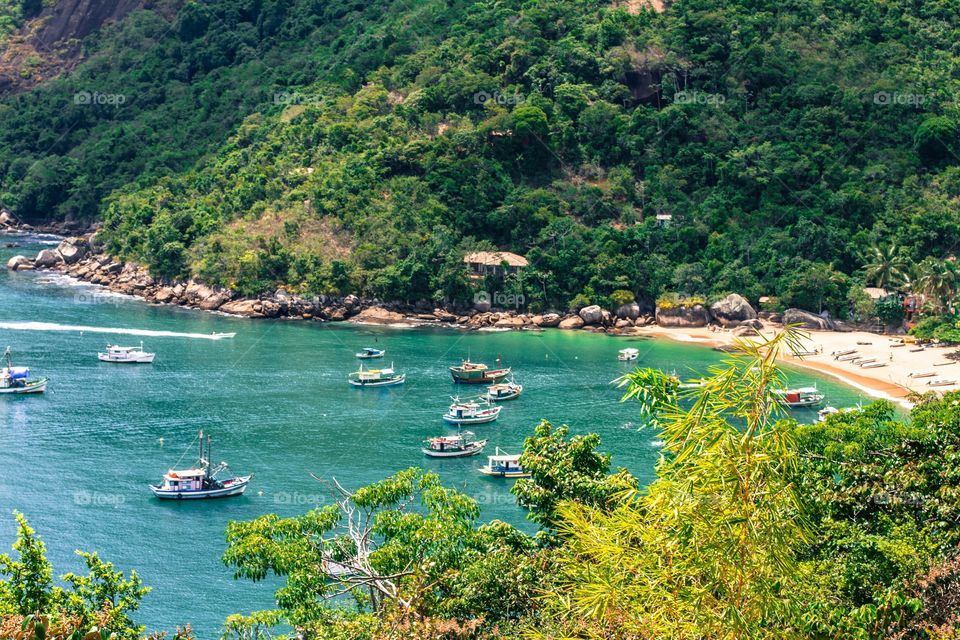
(803, 353)
(471, 412)
(200, 482)
(376, 377)
(863, 361)
(453, 446)
(872, 365)
(17, 380)
(848, 356)
(503, 465)
(800, 397)
(628, 354)
(941, 382)
(127, 355)
(504, 391)
(921, 374)
(368, 353)
(477, 373)
(842, 352)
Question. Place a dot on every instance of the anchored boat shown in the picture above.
(368, 353)
(376, 377)
(503, 465)
(504, 391)
(453, 446)
(477, 373)
(131, 355)
(471, 412)
(201, 481)
(625, 355)
(17, 380)
(800, 397)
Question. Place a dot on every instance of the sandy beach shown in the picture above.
(892, 381)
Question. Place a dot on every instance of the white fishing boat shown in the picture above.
(872, 365)
(863, 361)
(503, 465)
(625, 355)
(921, 374)
(17, 380)
(504, 391)
(469, 372)
(848, 356)
(471, 412)
(453, 446)
(129, 355)
(200, 482)
(368, 353)
(800, 397)
(376, 377)
(842, 352)
(941, 382)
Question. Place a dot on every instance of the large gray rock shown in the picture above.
(47, 258)
(378, 315)
(592, 314)
(629, 311)
(732, 310)
(241, 307)
(693, 316)
(19, 263)
(6, 219)
(807, 320)
(73, 249)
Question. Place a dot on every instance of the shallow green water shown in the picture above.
(78, 460)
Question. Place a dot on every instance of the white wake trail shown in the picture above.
(50, 326)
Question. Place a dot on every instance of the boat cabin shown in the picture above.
(184, 480)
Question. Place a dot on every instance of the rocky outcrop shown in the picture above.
(550, 320)
(807, 320)
(732, 310)
(19, 263)
(571, 322)
(683, 316)
(592, 314)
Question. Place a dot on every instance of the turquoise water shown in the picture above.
(78, 459)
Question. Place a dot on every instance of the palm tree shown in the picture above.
(939, 280)
(884, 265)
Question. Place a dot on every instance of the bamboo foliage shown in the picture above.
(708, 549)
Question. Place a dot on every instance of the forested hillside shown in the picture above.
(364, 147)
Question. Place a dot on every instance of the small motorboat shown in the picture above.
(847, 356)
(872, 365)
(863, 361)
(221, 336)
(504, 391)
(477, 373)
(368, 353)
(800, 397)
(803, 353)
(201, 481)
(941, 382)
(17, 380)
(625, 355)
(128, 355)
(471, 412)
(376, 377)
(921, 374)
(843, 352)
(453, 446)
(503, 465)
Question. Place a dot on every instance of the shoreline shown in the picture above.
(891, 380)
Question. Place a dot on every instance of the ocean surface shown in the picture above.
(77, 460)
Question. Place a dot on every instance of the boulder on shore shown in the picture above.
(378, 315)
(694, 316)
(238, 307)
(550, 320)
(47, 258)
(592, 314)
(19, 263)
(629, 311)
(732, 310)
(73, 249)
(808, 320)
(571, 322)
